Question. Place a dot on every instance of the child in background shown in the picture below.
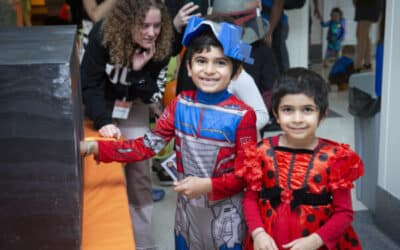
(335, 36)
(342, 68)
(210, 127)
(298, 194)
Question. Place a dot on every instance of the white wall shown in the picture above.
(389, 160)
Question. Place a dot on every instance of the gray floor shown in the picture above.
(338, 128)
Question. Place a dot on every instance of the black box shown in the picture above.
(40, 130)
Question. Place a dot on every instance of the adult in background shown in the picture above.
(366, 13)
(123, 71)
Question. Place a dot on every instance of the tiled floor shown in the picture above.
(337, 128)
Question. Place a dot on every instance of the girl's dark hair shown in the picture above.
(206, 39)
(301, 81)
(337, 10)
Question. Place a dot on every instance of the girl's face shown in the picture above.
(298, 116)
(210, 70)
(149, 30)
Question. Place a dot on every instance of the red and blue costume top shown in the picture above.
(209, 130)
(293, 193)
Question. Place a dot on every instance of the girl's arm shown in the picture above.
(254, 223)
(333, 229)
(341, 218)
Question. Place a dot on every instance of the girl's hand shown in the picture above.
(142, 56)
(262, 240)
(193, 187)
(183, 15)
(310, 242)
(110, 131)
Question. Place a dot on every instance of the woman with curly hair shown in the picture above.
(123, 71)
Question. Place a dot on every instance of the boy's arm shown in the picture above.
(135, 150)
(230, 184)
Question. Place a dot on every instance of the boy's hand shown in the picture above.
(310, 242)
(88, 147)
(262, 240)
(193, 187)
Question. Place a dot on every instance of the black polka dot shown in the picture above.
(310, 218)
(334, 150)
(305, 232)
(270, 152)
(328, 170)
(321, 223)
(269, 213)
(264, 202)
(270, 174)
(324, 190)
(317, 178)
(323, 157)
(338, 246)
(326, 211)
(347, 237)
(354, 242)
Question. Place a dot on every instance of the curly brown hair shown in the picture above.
(126, 17)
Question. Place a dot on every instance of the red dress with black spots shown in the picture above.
(294, 192)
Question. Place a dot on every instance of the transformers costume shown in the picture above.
(210, 131)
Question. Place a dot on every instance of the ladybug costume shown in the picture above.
(293, 193)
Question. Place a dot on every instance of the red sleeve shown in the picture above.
(124, 151)
(144, 147)
(341, 219)
(229, 184)
(251, 212)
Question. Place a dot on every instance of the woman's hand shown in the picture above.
(142, 56)
(183, 15)
(193, 187)
(262, 240)
(310, 242)
(110, 131)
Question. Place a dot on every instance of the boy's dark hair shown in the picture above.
(301, 81)
(206, 39)
(337, 10)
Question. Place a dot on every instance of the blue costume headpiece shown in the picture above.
(229, 35)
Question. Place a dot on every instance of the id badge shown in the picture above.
(121, 109)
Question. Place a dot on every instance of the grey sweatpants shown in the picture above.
(138, 179)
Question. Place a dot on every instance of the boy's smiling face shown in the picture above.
(210, 70)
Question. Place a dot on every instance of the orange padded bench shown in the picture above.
(106, 223)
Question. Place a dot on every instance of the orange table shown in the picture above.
(106, 223)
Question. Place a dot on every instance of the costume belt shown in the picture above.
(297, 197)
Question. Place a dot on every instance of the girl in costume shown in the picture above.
(299, 186)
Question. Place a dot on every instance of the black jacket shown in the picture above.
(103, 82)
